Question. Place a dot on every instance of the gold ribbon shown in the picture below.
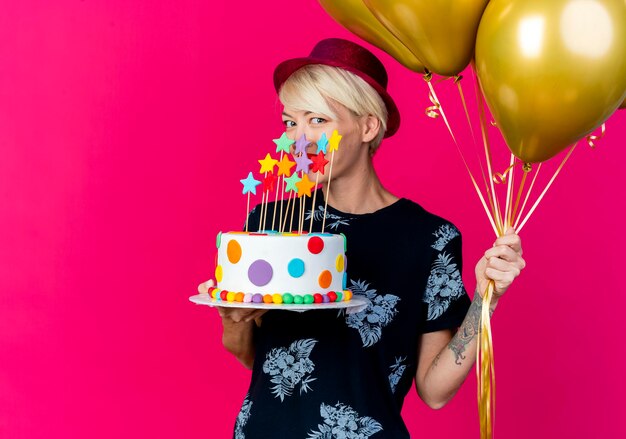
(457, 81)
(592, 138)
(556, 173)
(500, 178)
(434, 111)
(527, 168)
(485, 371)
(433, 98)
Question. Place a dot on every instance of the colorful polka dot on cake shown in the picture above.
(260, 272)
(325, 279)
(339, 263)
(233, 251)
(295, 268)
(315, 245)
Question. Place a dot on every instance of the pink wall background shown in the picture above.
(124, 129)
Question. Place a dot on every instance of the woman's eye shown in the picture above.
(289, 123)
(317, 120)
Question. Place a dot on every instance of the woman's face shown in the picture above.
(313, 125)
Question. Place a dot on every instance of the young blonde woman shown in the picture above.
(323, 374)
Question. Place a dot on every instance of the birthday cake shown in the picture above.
(274, 267)
(280, 268)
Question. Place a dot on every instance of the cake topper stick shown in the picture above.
(317, 177)
(292, 214)
(267, 166)
(291, 189)
(333, 145)
(302, 165)
(282, 194)
(249, 185)
(262, 211)
(276, 199)
(300, 209)
(283, 143)
(283, 223)
(268, 187)
(247, 210)
(284, 169)
(302, 214)
(304, 190)
(319, 162)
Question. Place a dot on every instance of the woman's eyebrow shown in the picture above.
(289, 115)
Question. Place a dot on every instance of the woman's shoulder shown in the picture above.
(417, 216)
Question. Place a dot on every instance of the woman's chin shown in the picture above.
(317, 178)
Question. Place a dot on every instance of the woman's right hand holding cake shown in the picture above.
(238, 325)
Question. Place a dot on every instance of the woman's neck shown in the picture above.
(359, 192)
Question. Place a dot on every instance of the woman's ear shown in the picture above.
(371, 127)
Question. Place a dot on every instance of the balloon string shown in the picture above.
(558, 170)
(485, 370)
(509, 199)
(526, 170)
(437, 108)
(592, 138)
(487, 149)
(490, 196)
(457, 81)
(530, 189)
(433, 98)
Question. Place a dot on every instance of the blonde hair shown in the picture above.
(312, 87)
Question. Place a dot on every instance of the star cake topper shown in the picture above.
(283, 143)
(249, 184)
(267, 164)
(319, 162)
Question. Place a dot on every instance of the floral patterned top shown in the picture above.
(328, 374)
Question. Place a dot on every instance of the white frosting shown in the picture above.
(278, 250)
